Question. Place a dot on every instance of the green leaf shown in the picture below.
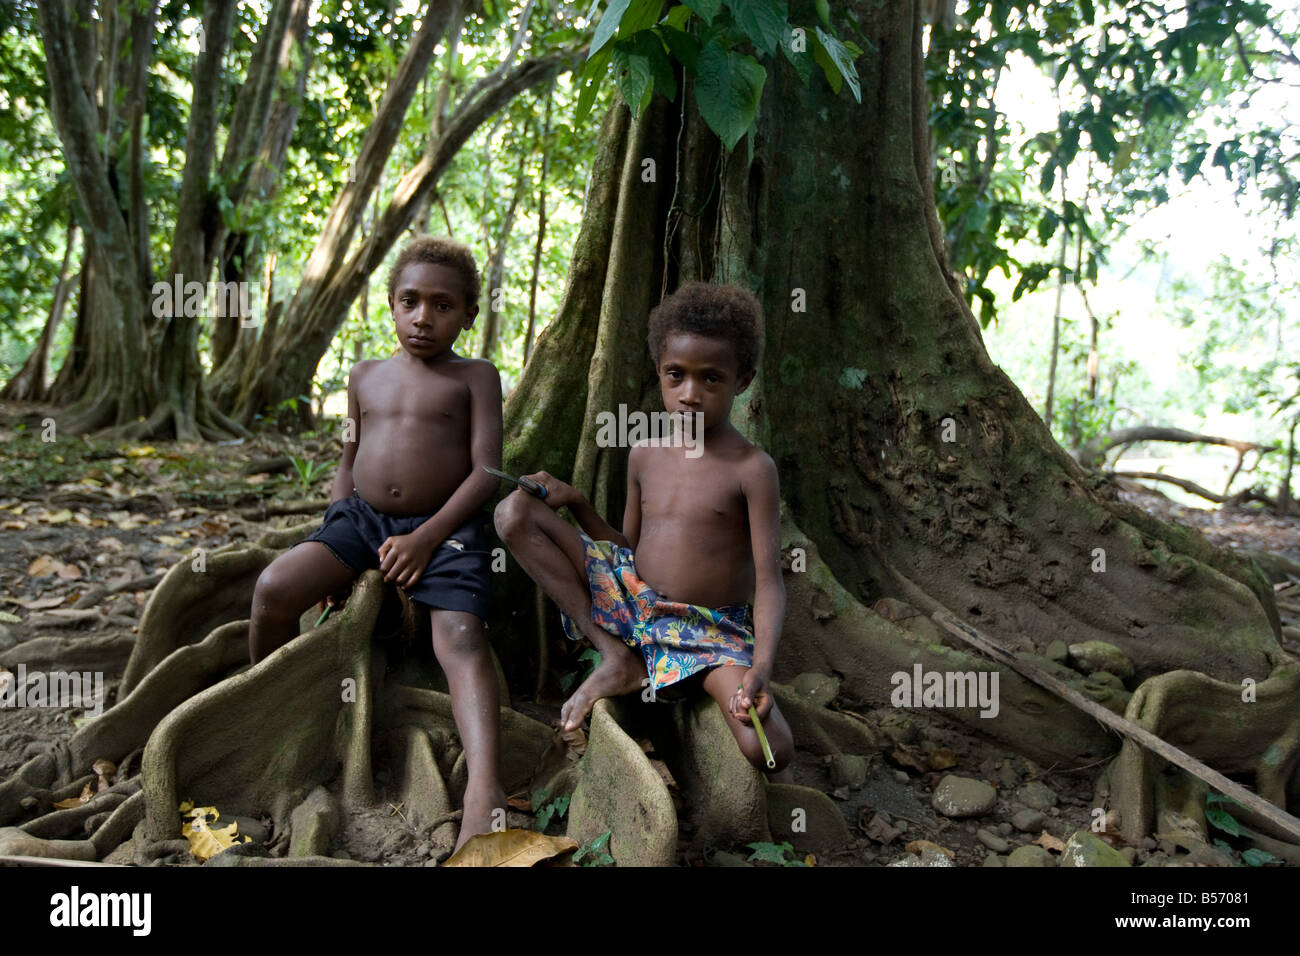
(802, 61)
(764, 21)
(842, 60)
(641, 15)
(589, 81)
(677, 17)
(683, 46)
(1221, 820)
(770, 852)
(1257, 857)
(607, 25)
(728, 88)
(823, 13)
(708, 9)
(632, 74)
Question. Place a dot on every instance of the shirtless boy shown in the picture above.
(669, 597)
(407, 500)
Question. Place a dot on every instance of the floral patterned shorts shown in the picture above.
(677, 640)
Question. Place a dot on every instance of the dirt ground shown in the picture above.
(87, 528)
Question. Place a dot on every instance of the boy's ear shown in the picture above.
(745, 381)
(471, 312)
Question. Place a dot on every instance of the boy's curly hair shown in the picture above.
(716, 311)
(439, 252)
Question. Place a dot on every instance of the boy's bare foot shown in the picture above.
(483, 807)
(617, 674)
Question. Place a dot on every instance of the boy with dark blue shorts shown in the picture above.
(407, 500)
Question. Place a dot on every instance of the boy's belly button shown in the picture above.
(394, 491)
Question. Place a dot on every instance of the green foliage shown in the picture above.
(594, 853)
(722, 46)
(308, 471)
(550, 809)
(780, 853)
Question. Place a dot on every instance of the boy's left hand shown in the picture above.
(753, 690)
(403, 558)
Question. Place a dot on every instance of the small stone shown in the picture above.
(1027, 821)
(430, 863)
(1208, 856)
(1147, 843)
(816, 689)
(341, 855)
(1129, 853)
(930, 856)
(1106, 679)
(899, 728)
(848, 770)
(840, 793)
(902, 777)
(992, 859)
(1057, 652)
(992, 841)
(1037, 795)
(28, 802)
(1087, 849)
(1003, 829)
(963, 797)
(1092, 656)
(424, 849)
(1032, 855)
(248, 827)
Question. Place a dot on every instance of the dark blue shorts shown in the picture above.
(458, 577)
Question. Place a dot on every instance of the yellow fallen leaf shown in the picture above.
(10, 618)
(206, 841)
(13, 525)
(140, 451)
(58, 517)
(510, 848)
(810, 859)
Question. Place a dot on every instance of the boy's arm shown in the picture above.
(761, 488)
(560, 493)
(342, 487)
(485, 449)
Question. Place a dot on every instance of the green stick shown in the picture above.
(321, 620)
(758, 729)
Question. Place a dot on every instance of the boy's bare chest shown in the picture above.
(693, 493)
(414, 399)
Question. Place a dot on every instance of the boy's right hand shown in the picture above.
(558, 493)
(335, 600)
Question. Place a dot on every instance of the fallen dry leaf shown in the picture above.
(47, 564)
(522, 804)
(1049, 842)
(106, 770)
(510, 848)
(13, 525)
(38, 604)
(919, 846)
(905, 756)
(941, 759)
(877, 829)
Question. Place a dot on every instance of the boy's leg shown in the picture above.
(721, 683)
(551, 551)
(304, 575)
(461, 644)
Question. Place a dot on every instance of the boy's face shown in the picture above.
(429, 311)
(700, 374)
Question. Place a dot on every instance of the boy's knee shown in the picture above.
(461, 636)
(512, 516)
(271, 590)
